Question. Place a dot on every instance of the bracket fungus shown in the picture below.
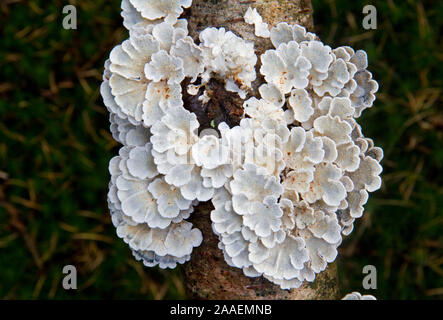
(358, 296)
(287, 171)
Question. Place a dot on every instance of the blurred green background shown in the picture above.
(55, 147)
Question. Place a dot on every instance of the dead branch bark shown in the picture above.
(207, 275)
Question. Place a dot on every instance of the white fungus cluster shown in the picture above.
(358, 296)
(286, 183)
(261, 28)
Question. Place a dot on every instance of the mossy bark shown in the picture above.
(207, 275)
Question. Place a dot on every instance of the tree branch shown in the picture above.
(207, 275)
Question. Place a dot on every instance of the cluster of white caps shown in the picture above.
(358, 296)
(286, 183)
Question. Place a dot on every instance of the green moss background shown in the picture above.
(55, 147)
